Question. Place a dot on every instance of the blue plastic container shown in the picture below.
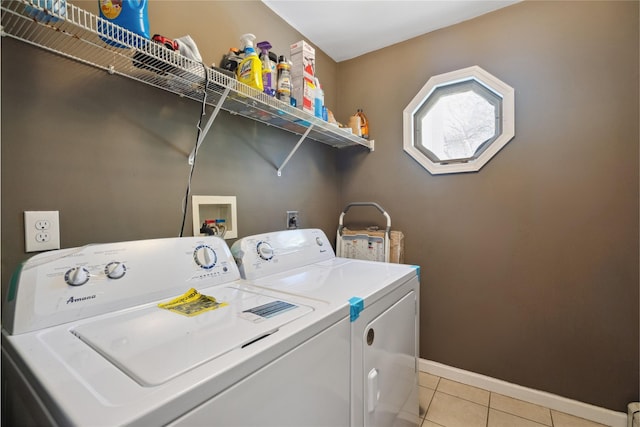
(54, 10)
(127, 14)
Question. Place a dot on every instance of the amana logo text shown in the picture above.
(72, 299)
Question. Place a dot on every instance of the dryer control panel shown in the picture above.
(69, 284)
(270, 253)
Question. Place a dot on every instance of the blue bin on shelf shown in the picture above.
(54, 10)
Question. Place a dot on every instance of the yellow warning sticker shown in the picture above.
(192, 303)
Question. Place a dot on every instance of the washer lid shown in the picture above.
(153, 345)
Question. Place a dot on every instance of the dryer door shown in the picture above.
(390, 351)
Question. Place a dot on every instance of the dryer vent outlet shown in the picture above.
(293, 220)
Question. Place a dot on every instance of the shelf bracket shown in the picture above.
(204, 132)
(294, 149)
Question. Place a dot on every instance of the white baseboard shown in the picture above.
(551, 401)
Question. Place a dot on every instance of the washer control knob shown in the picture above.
(76, 276)
(265, 251)
(205, 256)
(319, 241)
(115, 270)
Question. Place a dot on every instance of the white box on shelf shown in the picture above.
(303, 59)
(303, 66)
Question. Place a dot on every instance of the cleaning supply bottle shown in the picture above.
(249, 70)
(269, 73)
(284, 80)
(318, 100)
(131, 15)
(364, 124)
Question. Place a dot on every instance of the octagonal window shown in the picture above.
(459, 121)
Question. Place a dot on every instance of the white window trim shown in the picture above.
(494, 84)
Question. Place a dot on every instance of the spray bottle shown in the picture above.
(269, 74)
(249, 70)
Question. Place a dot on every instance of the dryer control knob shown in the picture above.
(205, 256)
(115, 270)
(265, 251)
(76, 276)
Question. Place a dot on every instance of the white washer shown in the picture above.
(383, 300)
(84, 342)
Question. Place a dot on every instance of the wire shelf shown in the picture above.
(82, 36)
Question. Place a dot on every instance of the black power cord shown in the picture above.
(203, 113)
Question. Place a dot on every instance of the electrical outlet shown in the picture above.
(293, 220)
(41, 230)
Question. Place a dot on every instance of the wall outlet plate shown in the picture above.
(293, 220)
(220, 209)
(41, 230)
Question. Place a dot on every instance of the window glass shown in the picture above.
(456, 121)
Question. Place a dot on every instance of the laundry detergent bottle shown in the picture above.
(364, 124)
(249, 70)
(130, 15)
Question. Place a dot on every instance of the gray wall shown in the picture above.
(530, 266)
(111, 154)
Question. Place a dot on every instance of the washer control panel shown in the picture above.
(205, 256)
(270, 253)
(76, 276)
(115, 270)
(68, 284)
(265, 250)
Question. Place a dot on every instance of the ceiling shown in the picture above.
(347, 29)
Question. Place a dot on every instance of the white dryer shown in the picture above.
(85, 342)
(383, 300)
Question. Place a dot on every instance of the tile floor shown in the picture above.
(446, 403)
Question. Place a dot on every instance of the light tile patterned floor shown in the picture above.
(446, 403)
